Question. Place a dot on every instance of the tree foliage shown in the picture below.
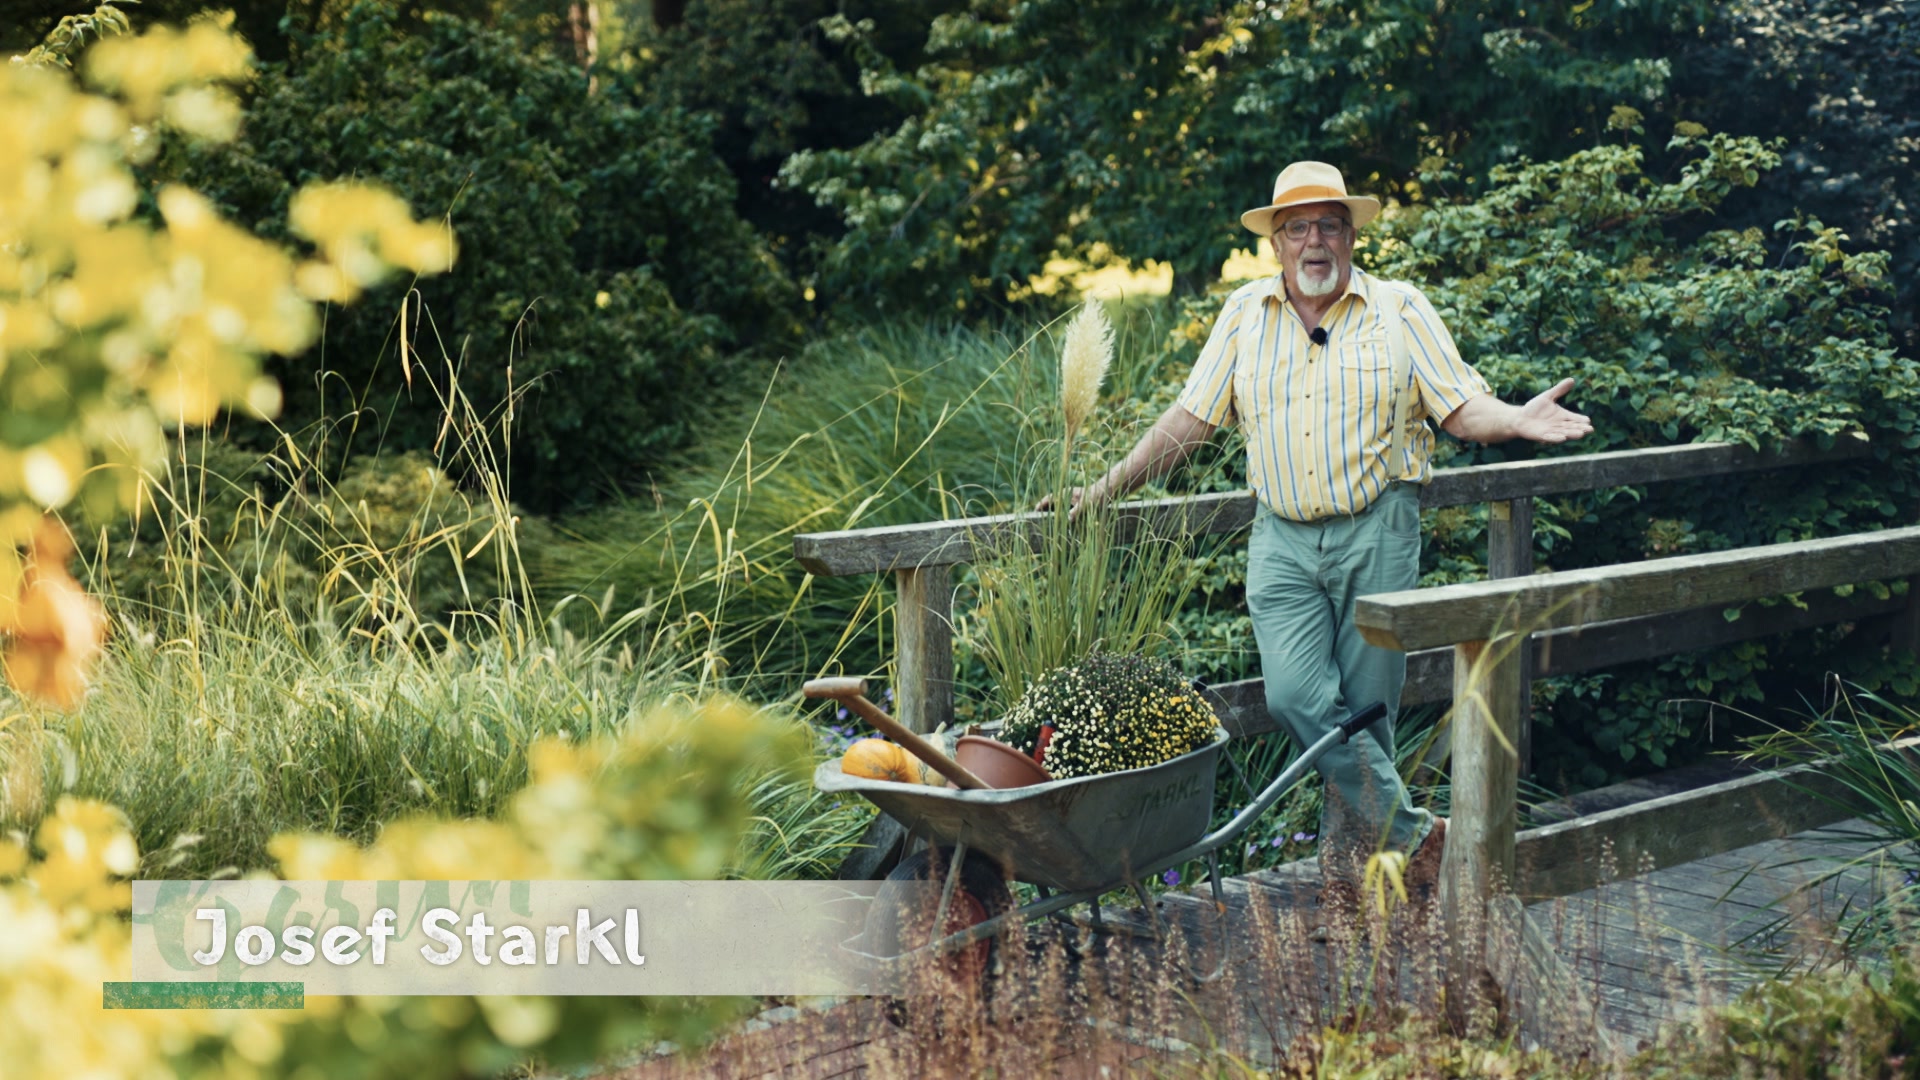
(1839, 82)
(773, 81)
(604, 280)
(1140, 129)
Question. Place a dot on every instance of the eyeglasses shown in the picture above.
(1328, 226)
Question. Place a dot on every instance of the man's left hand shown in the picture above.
(1545, 420)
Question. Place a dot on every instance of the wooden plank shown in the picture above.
(1565, 857)
(1478, 862)
(1618, 468)
(1510, 555)
(1584, 648)
(923, 648)
(935, 543)
(1423, 618)
(1242, 704)
(945, 543)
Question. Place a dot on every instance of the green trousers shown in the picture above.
(1302, 581)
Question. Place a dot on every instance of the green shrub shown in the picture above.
(605, 281)
(1857, 1025)
(1838, 82)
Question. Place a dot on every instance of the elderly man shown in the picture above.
(1333, 375)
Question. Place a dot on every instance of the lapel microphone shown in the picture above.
(1318, 336)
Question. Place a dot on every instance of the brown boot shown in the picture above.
(1423, 867)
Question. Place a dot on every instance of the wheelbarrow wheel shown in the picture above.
(902, 921)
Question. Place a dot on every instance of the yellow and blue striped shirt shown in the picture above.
(1318, 419)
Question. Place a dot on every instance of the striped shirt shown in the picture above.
(1318, 419)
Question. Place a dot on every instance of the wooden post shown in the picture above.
(923, 642)
(1906, 624)
(1510, 555)
(1479, 854)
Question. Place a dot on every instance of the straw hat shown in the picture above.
(1309, 182)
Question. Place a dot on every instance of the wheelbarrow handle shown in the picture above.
(1288, 777)
(842, 687)
(852, 693)
(1363, 719)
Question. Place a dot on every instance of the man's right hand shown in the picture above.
(1172, 438)
(1076, 504)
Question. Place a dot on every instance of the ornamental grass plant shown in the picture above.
(1053, 588)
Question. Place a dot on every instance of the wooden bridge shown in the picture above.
(1510, 894)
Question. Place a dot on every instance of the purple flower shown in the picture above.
(887, 695)
(1251, 848)
(840, 713)
(1171, 877)
(1301, 837)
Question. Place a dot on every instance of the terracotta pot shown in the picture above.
(1000, 765)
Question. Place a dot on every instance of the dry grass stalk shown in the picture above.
(1084, 360)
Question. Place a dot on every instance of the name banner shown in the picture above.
(720, 938)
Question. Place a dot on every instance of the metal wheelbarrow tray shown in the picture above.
(1089, 832)
(1077, 839)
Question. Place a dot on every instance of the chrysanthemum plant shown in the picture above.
(1073, 584)
(1107, 713)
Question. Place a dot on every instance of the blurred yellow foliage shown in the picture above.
(112, 329)
(664, 801)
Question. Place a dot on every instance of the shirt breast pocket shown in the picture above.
(1251, 403)
(1369, 353)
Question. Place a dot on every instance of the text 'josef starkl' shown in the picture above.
(255, 945)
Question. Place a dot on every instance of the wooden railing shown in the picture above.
(1480, 645)
(1485, 625)
(921, 556)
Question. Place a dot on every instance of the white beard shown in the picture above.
(1317, 286)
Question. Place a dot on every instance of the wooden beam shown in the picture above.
(946, 543)
(1618, 468)
(1584, 648)
(937, 543)
(1242, 705)
(923, 648)
(1423, 618)
(1572, 856)
(1510, 555)
(1478, 863)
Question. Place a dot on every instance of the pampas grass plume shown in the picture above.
(1083, 363)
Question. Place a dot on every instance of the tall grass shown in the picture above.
(293, 653)
(888, 425)
(1867, 744)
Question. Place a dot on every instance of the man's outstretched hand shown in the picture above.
(1076, 503)
(1545, 420)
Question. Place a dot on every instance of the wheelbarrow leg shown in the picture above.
(1220, 913)
(1152, 910)
(946, 890)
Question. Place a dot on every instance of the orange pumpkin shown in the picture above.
(878, 759)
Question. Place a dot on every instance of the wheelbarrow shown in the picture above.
(1073, 840)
